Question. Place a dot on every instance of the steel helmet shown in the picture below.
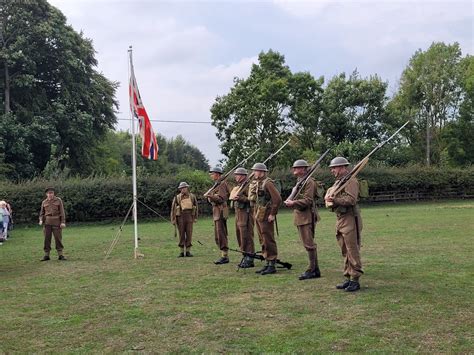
(300, 163)
(338, 161)
(240, 171)
(182, 184)
(259, 167)
(216, 169)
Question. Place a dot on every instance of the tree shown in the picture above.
(51, 93)
(431, 93)
(262, 110)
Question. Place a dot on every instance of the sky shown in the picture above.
(186, 53)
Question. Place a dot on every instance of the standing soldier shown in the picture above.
(348, 224)
(184, 212)
(244, 221)
(53, 220)
(220, 211)
(305, 217)
(267, 201)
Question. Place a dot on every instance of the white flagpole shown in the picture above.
(134, 165)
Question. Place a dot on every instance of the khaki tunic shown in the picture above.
(184, 217)
(52, 215)
(244, 222)
(349, 227)
(305, 214)
(220, 212)
(266, 230)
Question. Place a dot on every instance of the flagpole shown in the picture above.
(134, 166)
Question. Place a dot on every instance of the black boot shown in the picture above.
(181, 255)
(222, 260)
(308, 274)
(246, 263)
(263, 268)
(188, 254)
(62, 257)
(343, 285)
(45, 258)
(353, 286)
(270, 268)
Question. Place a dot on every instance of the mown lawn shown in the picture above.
(416, 294)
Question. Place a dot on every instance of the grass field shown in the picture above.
(417, 292)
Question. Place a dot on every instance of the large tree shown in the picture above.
(265, 108)
(431, 94)
(52, 95)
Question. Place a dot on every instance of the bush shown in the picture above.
(106, 198)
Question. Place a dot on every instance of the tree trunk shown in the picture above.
(7, 89)
(427, 140)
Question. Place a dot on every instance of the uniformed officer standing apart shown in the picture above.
(220, 212)
(305, 216)
(184, 212)
(53, 220)
(244, 221)
(267, 201)
(348, 224)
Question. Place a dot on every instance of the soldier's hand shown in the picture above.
(63, 225)
(271, 218)
(289, 203)
(329, 199)
(40, 222)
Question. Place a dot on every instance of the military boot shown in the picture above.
(353, 286)
(263, 268)
(45, 258)
(270, 268)
(343, 285)
(188, 254)
(247, 262)
(62, 257)
(224, 259)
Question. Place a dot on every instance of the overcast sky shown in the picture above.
(188, 52)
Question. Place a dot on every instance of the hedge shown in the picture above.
(109, 198)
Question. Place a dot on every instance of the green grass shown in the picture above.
(416, 293)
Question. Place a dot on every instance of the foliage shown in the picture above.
(102, 198)
(51, 92)
(431, 94)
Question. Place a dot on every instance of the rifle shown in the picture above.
(300, 184)
(261, 258)
(226, 175)
(250, 176)
(342, 183)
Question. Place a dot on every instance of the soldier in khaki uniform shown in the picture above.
(267, 200)
(305, 217)
(244, 220)
(184, 212)
(220, 212)
(348, 224)
(53, 220)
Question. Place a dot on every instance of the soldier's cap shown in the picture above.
(241, 171)
(259, 167)
(49, 188)
(216, 169)
(182, 184)
(300, 163)
(338, 161)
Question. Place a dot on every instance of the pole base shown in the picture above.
(138, 255)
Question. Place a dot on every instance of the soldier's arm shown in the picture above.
(173, 211)
(195, 203)
(349, 195)
(244, 196)
(62, 213)
(276, 198)
(221, 195)
(308, 196)
(41, 215)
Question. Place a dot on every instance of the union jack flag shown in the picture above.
(149, 144)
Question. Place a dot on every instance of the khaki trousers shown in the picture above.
(244, 224)
(266, 235)
(48, 231)
(220, 234)
(185, 229)
(347, 237)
